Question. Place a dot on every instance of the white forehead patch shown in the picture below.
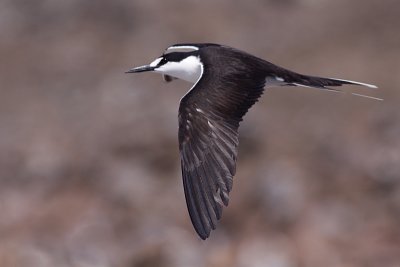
(189, 69)
(155, 62)
(181, 48)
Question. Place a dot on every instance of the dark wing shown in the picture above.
(208, 140)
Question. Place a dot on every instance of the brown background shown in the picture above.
(89, 164)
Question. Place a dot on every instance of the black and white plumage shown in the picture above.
(227, 82)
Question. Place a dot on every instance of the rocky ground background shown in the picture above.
(89, 163)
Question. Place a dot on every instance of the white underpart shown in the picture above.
(182, 48)
(198, 79)
(189, 69)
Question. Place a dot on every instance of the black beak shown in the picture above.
(141, 69)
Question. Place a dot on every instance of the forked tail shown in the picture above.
(327, 83)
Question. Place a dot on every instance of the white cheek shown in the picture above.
(188, 69)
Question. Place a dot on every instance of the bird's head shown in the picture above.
(182, 62)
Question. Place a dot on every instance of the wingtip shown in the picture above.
(202, 233)
(204, 237)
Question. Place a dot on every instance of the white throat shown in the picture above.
(189, 69)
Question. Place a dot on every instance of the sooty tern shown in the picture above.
(227, 82)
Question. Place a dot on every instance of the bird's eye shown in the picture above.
(163, 61)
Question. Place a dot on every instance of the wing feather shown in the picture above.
(209, 117)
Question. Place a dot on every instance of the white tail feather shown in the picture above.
(367, 96)
(354, 82)
(319, 88)
(340, 91)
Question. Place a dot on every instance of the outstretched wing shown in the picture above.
(209, 117)
(208, 141)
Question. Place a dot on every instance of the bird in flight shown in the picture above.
(226, 83)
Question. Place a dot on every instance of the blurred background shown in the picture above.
(89, 161)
